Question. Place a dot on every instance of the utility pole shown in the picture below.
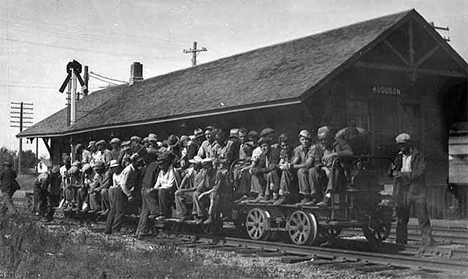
(194, 51)
(17, 117)
(86, 80)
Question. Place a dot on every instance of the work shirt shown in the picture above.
(302, 154)
(206, 149)
(86, 157)
(338, 146)
(406, 162)
(166, 179)
(102, 181)
(65, 175)
(128, 180)
(116, 179)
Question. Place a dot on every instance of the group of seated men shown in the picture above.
(152, 176)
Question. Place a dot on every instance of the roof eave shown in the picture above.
(285, 102)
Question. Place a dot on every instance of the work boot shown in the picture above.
(325, 202)
(305, 200)
(208, 221)
(280, 201)
(199, 220)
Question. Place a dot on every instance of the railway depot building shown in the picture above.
(388, 75)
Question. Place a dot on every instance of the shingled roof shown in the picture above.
(274, 75)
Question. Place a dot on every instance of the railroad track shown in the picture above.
(317, 255)
(356, 253)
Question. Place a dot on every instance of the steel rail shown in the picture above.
(372, 257)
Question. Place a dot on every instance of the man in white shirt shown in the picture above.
(166, 185)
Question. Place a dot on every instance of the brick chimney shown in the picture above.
(136, 72)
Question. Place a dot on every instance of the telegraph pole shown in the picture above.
(194, 51)
(18, 110)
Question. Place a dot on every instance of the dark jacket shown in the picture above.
(8, 180)
(415, 182)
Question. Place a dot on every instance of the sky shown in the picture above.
(39, 37)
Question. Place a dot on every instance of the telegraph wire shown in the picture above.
(81, 49)
(101, 76)
(103, 80)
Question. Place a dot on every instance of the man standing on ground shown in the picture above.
(409, 173)
(8, 185)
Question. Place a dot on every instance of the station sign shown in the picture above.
(386, 90)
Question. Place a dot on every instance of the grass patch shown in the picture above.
(30, 250)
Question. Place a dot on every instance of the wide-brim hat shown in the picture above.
(114, 163)
(198, 133)
(207, 161)
(173, 140)
(196, 160)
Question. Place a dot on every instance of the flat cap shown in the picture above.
(115, 141)
(135, 138)
(91, 143)
(305, 134)
(101, 142)
(234, 133)
(324, 132)
(266, 132)
(198, 133)
(145, 139)
(403, 138)
(209, 128)
(264, 140)
(152, 137)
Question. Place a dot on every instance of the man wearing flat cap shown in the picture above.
(8, 185)
(264, 170)
(116, 147)
(101, 154)
(102, 181)
(166, 184)
(206, 189)
(149, 204)
(47, 193)
(305, 155)
(327, 175)
(206, 148)
(125, 154)
(193, 177)
(409, 173)
(195, 143)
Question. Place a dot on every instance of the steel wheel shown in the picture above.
(256, 224)
(377, 235)
(302, 228)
